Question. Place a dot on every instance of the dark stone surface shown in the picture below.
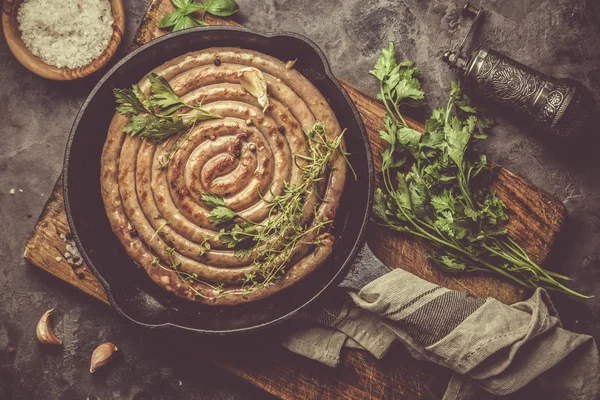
(561, 38)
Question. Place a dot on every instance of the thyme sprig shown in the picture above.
(272, 242)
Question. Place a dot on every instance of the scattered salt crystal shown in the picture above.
(70, 38)
(62, 236)
(59, 259)
(21, 190)
(11, 191)
(67, 254)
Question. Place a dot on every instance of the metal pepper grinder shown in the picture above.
(560, 107)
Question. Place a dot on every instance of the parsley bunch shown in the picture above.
(445, 197)
(182, 17)
(156, 117)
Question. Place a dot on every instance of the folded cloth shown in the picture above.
(493, 348)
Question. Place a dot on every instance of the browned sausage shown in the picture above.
(245, 154)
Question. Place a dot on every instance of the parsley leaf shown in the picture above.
(129, 102)
(163, 95)
(170, 20)
(221, 215)
(212, 200)
(155, 117)
(385, 63)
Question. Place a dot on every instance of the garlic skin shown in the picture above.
(44, 332)
(253, 81)
(102, 355)
(290, 64)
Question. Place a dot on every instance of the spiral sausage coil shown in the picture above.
(153, 191)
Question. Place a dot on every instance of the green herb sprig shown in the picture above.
(271, 243)
(445, 197)
(182, 17)
(157, 117)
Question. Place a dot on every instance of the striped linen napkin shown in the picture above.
(495, 349)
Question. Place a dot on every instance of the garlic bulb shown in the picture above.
(101, 356)
(44, 331)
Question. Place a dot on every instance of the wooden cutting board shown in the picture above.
(535, 220)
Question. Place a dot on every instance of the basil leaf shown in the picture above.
(221, 8)
(190, 8)
(185, 22)
(181, 3)
(170, 19)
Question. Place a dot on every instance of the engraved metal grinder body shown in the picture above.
(561, 107)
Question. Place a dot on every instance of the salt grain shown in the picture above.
(66, 33)
(11, 191)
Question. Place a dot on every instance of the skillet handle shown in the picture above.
(365, 268)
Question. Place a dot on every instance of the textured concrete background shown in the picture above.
(561, 38)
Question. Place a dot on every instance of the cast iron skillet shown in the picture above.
(129, 289)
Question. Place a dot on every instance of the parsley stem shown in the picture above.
(557, 286)
(531, 266)
(390, 112)
(489, 266)
(422, 233)
(399, 114)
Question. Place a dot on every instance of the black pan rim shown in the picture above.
(359, 240)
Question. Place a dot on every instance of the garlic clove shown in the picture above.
(44, 332)
(102, 355)
(253, 81)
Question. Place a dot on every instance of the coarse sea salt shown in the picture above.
(66, 33)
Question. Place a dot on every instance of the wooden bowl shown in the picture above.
(39, 67)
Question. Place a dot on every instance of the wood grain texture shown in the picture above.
(359, 376)
(536, 218)
(39, 67)
(45, 245)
